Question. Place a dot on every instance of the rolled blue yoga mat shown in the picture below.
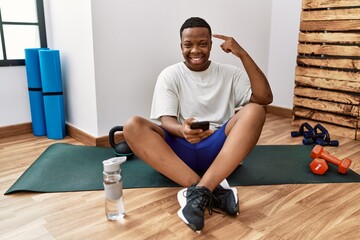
(51, 79)
(35, 90)
(55, 117)
(50, 68)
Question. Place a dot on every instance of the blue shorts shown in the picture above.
(198, 156)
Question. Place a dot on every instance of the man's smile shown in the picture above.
(196, 59)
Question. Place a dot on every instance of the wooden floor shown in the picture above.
(309, 211)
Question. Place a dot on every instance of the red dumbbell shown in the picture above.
(319, 166)
(319, 152)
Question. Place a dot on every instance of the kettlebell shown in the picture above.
(121, 148)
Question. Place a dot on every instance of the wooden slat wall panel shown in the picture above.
(330, 74)
(321, 37)
(313, 4)
(335, 25)
(332, 96)
(336, 14)
(340, 108)
(325, 83)
(325, 117)
(327, 76)
(330, 63)
(332, 50)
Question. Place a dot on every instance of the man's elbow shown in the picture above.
(269, 99)
(265, 99)
(262, 100)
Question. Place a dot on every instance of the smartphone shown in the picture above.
(204, 125)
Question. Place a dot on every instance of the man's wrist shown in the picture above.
(242, 54)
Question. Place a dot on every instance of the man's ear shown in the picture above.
(181, 46)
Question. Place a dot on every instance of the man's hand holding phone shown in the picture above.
(196, 131)
(204, 125)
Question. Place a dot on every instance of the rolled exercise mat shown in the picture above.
(51, 79)
(35, 91)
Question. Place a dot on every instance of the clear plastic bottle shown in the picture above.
(114, 202)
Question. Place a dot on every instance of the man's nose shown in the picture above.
(195, 49)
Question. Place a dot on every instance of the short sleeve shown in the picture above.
(242, 88)
(165, 98)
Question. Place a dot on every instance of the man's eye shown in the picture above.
(187, 45)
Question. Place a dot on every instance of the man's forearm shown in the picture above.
(171, 125)
(261, 91)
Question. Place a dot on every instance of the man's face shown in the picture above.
(196, 46)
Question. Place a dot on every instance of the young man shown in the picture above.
(201, 90)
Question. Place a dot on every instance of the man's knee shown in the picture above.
(133, 121)
(136, 126)
(133, 124)
(257, 111)
(250, 115)
(253, 111)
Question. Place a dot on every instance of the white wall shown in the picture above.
(285, 25)
(112, 52)
(71, 32)
(135, 40)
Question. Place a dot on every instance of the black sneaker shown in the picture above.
(226, 199)
(193, 201)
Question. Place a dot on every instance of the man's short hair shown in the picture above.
(195, 22)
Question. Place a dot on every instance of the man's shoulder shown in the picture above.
(225, 68)
(173, 68)
(170, 74)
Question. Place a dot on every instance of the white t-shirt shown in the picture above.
(211, 95)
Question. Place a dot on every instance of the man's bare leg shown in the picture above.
(243, 132)
(146, 140)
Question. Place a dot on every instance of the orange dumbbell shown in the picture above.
(319, 166)
(319, 152)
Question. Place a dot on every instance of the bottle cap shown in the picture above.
(113, 164)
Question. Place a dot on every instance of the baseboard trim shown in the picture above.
(79, 135)
(14, 130)
(86, 138)
(279, 111)
(103, 141)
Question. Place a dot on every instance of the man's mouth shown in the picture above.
(196, 59)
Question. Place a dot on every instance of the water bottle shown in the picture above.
(114, 202)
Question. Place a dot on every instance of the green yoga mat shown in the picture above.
(64, 167)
